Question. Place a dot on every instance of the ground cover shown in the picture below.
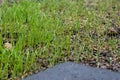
(35, 35)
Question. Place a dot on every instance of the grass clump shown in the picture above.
(44, 33)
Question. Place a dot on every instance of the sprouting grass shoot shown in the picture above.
(38, 34)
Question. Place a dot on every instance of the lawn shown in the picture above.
(38, 34)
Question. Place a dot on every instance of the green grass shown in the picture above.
(49, 32)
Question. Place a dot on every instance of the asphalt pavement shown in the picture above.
(74, 71)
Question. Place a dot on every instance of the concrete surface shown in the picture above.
(73, 71)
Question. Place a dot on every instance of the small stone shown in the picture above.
(8, 45)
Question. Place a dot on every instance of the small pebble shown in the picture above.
(8, 45)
